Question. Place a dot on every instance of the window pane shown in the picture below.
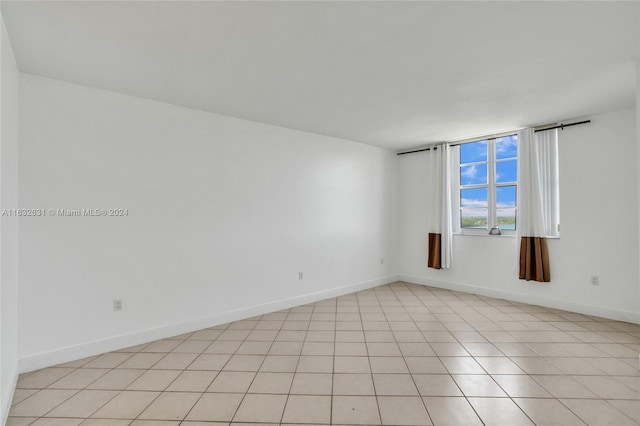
(507, 171)
(473, 218)
(473, 152)
(471, 198)
(507, 147)
(474, 174)
(506, 218)
(505, 196)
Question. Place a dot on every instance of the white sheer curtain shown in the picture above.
(530, 211)
(538, 186)
(439, 213)
(547, 143)
(538, 201)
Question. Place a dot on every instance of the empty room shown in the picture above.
(319, 213)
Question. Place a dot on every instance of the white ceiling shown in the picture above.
(391, 74)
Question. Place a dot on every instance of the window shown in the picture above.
(488, 184)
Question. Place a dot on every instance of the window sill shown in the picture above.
(469, 234)
(463, 234)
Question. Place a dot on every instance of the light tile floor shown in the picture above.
(399, 354)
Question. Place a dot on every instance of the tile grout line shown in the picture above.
(373, 382)
(160, 392)
(438, 356)
(194, 360)
(295, 370)
(256, 372)
(395, 339)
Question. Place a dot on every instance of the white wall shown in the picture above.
(223, 214)
(8, 225)
(599, 229)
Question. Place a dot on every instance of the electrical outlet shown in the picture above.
(117, 305)
(595, 280)
(300, 275)
(382, 260)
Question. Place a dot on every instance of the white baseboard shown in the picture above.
(7, 396)
(599, 311)
(47, 359)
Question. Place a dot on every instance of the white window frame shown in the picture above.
(491, 186)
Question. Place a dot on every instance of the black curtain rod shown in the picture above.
(560, 126)
(418, 150)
